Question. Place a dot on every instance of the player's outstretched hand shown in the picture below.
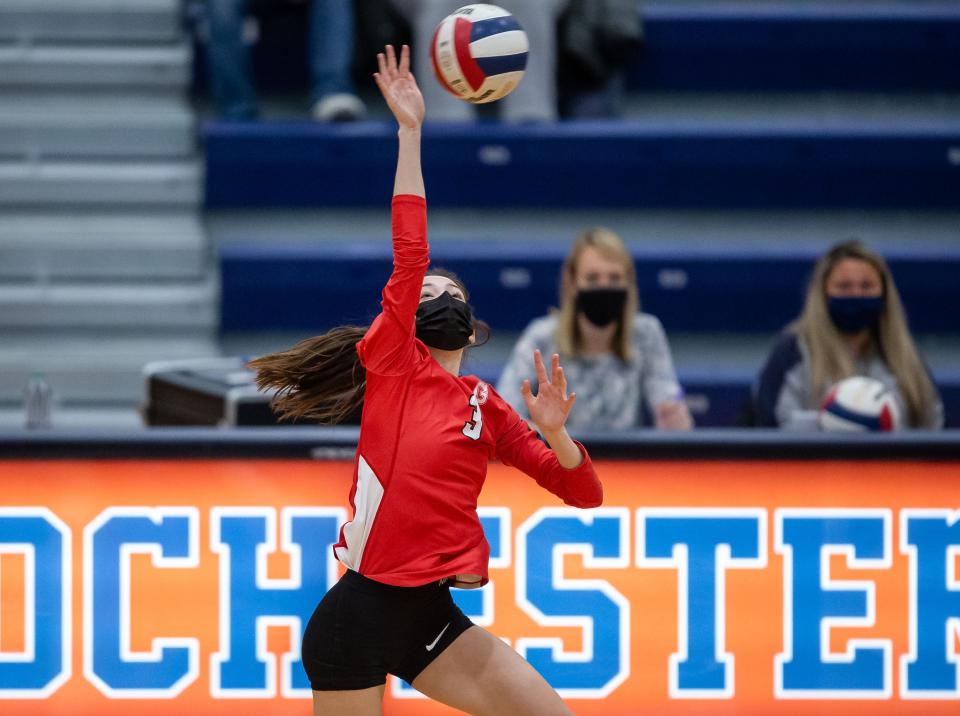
(399, 88)
(551, 405)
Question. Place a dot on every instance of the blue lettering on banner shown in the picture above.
(170, 536)
(250, 601)
(701, 544)
(931, 670)
(814, 603)
(601, 537)
(475, 603)
(44, 541)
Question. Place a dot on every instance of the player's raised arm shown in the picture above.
(388, 347)
(399, 89)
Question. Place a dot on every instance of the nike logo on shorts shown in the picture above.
(434, 642)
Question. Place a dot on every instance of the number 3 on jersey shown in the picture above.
(472, 427)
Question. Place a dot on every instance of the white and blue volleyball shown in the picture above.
(860, 404)
(479, 53)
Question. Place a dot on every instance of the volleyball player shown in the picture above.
(426, 436)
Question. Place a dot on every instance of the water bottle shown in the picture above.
(37, 403)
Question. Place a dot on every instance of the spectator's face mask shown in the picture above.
(445, 322)
(601, 306)
(852, 314)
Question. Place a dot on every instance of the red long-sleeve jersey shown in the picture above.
(426, 437)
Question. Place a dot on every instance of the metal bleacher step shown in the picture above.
(91, 125)
(103, 183)
(113, 305)
(96, 367)
(151, 66)
(104, 261)
(94, 245)
(141, 20)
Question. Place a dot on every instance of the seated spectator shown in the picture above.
(852, 323)
(331, 31)
(615, 359)
(596, 40)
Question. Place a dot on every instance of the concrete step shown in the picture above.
(95, 66)
(153, 184)
(181, 305)
(150, 20)
(98, 368)
(37, 125)
(83, 246)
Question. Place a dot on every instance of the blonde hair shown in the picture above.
(829, 354)
(610, 247)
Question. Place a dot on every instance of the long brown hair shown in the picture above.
(612, 248)
(320, 379)
(830, 358)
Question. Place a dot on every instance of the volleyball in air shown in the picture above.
(479, 53)
(860, 404)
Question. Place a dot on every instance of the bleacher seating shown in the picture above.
(316, 287)
(683, 162)
(706, 45)
(773, 115)
(310, 289)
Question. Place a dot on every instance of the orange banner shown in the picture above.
(699, 587)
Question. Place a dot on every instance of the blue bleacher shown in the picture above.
(280, 287)
(815, 163)
(910, 45)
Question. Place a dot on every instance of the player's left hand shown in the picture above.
(551, 405)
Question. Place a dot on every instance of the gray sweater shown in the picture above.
(782, 392)
(609, 391)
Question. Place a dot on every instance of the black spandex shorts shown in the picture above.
(363, 630)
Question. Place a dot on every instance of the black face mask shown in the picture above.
(444, 322)
(601, 306)
(852, 314)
